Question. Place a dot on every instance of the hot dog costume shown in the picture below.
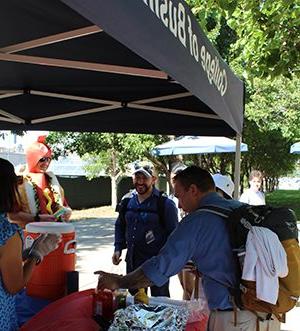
(40, 192)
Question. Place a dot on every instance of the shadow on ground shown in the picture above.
(94, 234)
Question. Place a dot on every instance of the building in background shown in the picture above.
(12, 148)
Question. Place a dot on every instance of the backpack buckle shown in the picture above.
(246, 223)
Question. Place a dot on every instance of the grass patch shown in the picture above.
(285, 198)
(279, 198)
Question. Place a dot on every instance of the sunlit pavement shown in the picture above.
(94, 250)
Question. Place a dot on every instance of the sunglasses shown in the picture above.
(148, 168)
(45, 159)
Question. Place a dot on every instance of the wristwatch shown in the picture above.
(37, 217)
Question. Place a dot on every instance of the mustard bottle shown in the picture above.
(141, 297)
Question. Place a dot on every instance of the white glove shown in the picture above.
(42, 246)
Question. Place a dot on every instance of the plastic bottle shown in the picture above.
(102, 306)
(141, 297)
(120, 298)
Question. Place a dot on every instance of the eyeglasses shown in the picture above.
(45, 159)
(148, 168)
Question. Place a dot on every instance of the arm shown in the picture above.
(22, 218)
(14, 274)
(120, 230)
(68, 210)
(179, 248)
(120, 241)
(134, 280)
(157, 270)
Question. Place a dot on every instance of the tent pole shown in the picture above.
(237, 166)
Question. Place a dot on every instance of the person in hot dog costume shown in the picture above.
(41, 196)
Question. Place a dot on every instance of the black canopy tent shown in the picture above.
(138, 66)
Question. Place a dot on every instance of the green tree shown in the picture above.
(260, 39)
(268, 152)
(107, 152)
(272, 125)
(268, 33)
(275, 105)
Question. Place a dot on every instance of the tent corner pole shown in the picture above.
(237, 167)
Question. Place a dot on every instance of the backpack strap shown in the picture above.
(235, 293)
(122, 208)
(227, 213)
(223, 212)
(161, 204)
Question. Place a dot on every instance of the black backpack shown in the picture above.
(280, 220)
(122, 208)
(283, 222)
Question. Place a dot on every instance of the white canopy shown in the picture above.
(295, 148)
(197, 145)
(202, 145)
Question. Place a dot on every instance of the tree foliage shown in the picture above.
(273, 124)
(267, 33)
(108, 152)
(275, 105)
(268, 151)
(261, 42)
(126, 148)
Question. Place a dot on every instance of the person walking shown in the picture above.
(202, 237)
(141, 227)
(41, 196)
(254, 196)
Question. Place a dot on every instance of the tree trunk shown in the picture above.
(113, 177)
(113, 191)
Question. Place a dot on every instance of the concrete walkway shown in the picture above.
(95, 239)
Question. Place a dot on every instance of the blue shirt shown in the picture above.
(203, 238)
(144, 234)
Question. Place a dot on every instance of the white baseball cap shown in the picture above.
(224, 183)
(146, 170)
(178, 167)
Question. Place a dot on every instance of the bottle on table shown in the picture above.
(103, 307)
(120, 296)
(141, 297)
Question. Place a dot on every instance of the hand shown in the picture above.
(66, 216)
(63, 214)
(107, 280)
(43, 245)
(47, 218)
(190, 267)
(116, 258)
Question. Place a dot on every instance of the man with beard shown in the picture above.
(141, 227)
(202, 237)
